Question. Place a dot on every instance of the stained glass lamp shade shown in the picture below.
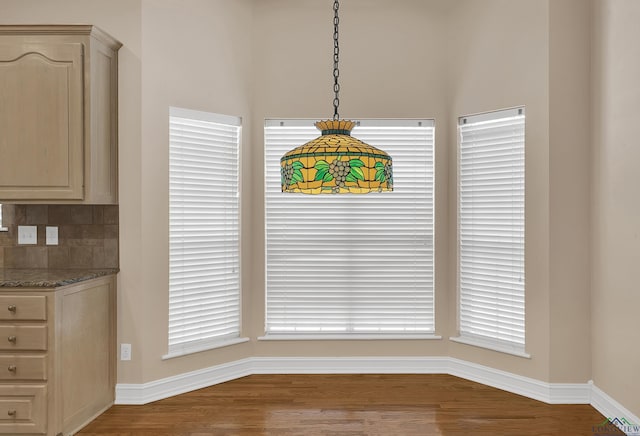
(336, 163)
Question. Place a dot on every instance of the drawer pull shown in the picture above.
(12, 368)
(11, 308)
(11, 413)
(12, 339)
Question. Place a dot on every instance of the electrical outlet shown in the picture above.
(52, 235)
(125, 351)
(27, 235)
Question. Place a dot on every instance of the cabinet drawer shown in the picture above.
(21, 367)
(23, 337)
(22, 409)
(23, 308)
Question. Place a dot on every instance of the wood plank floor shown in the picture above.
(347, 405)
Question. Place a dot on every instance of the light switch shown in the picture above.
(125, 351)
(27, 235)
(52, 235)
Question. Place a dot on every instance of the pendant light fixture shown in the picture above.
(336, 162)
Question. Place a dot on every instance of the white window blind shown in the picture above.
(491, 206)
(344, 265)
(204, 280)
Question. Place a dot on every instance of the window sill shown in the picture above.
(205, 347)
(345, 337)
(489, 345)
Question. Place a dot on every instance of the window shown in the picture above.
(352, 266)
(204, 279)
(491, 205)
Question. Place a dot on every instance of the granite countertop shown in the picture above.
(48, 278)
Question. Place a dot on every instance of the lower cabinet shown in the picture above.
(23, 409)
(57, 356)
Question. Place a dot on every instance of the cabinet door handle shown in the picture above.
(12, 339)
(12, 368)
(11, 308)
(11, 413)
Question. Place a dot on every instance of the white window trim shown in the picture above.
(346, 337)
(490, 345)
(221, 343)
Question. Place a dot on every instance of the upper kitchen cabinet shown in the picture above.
(58, 114)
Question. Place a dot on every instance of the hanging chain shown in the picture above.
(336, 58)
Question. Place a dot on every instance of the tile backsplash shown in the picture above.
(87, 236)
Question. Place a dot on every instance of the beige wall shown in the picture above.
(615, 299)
(392, 65)
(410, 58)
(196, 57)
(122, 19)
(500, 59)
(569, 202)
(535, 54)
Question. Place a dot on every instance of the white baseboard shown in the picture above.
(350, 365)
(168, 387)
(553, 393)
(611, 409)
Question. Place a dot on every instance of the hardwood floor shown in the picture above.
(348, 405)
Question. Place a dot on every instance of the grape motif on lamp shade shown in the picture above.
(336, 163)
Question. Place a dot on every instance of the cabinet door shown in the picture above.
(23, 409)
(41, 121)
